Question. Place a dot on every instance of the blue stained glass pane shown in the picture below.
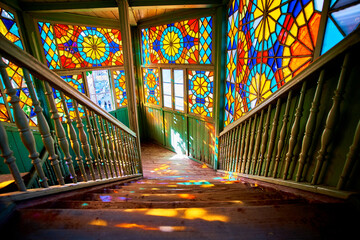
(332, 2)
(8, 23)
(319, 5)
(341, 3)
(332, 36)
(7, 14)
(348, 19)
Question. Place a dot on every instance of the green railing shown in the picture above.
(306, 135)
(103, 149)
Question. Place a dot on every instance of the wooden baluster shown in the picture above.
(73, 140)
(9, 159)
(136, 154)
(350, 159)
(228, 150)
(251, 146)
(223, 159)
(132, 150)
(272, 137)
(257, 143)
(83, 140)
(243, 162)
(117, 150)
(310, 126)
(106, 146)
(236, 145)
(103, 161)
(221, 152)
(111, 148)
(231, 148)
(282, 136)
(131, 157)
(94, 149)
(264, 140)
(239, 157)
(63, 165)
(22, 124)
(294, 130)
(331, 121)
(123, 151)
(44, 129)
(239, 141)
(60, 132)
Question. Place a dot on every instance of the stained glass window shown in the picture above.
(80, 46)
(343, 18)
(10, 29)
(151, 85)
(120, 87)
(4, 115)
(268, 43)
(49, 45)
(201, 92)
(77, 82)
(184, 42)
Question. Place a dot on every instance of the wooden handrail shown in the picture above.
(42, 72)
(315, 66)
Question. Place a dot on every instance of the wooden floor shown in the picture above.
(182, 199)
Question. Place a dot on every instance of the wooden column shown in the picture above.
(219, 80)
(128, 66)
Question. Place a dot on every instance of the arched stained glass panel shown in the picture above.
(151, 85)
(201, 91)
(184, 42)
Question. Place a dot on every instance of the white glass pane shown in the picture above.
(167, 101)
(167, 88)
(100, 89)
(179, 76)
(179, 103)
(179, 90)
(166, 75)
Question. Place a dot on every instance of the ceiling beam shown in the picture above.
(148, 3)
(92, 4)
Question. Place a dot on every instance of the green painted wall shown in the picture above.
(180, 133)
(20, 152)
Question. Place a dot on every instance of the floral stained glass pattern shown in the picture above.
(151, 85)
(268, 43)
(10, 29)
(201, 90)
(120, 88)
(80, 46)
(185, 42)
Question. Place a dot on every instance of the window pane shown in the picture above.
(179, 90)
(167, 88)
(179, 103)
(100, 90)
(166, 75)
(167, 101)
(179, 76)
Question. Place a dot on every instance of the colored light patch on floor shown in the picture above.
(187, 196)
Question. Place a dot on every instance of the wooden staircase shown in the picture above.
(182, 209)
